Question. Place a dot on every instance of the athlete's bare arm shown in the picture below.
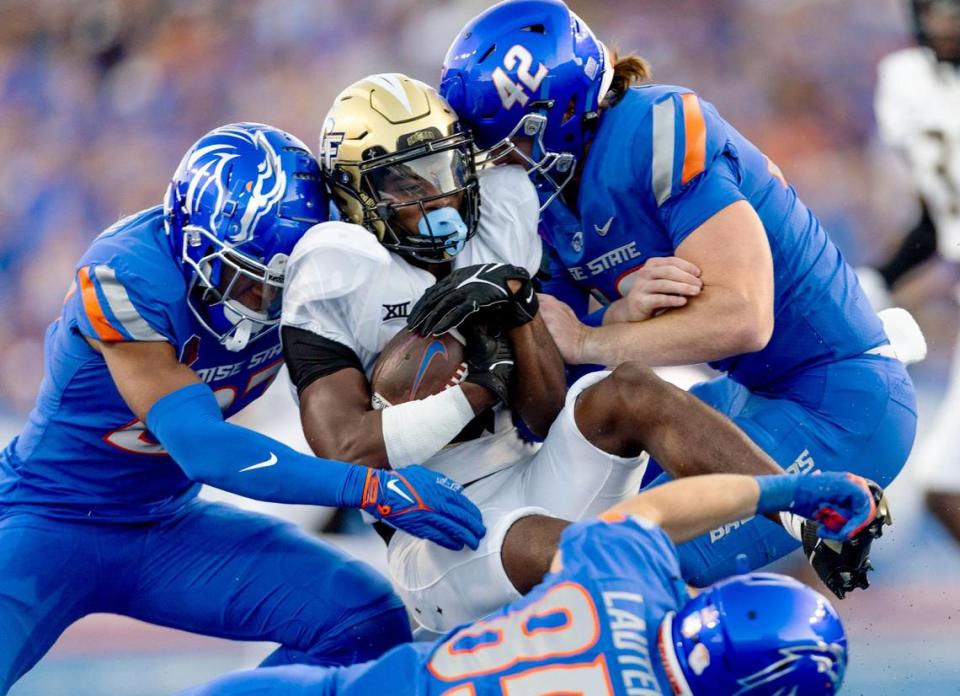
(539, 374)
(732, 314)
(144, 372)
(687, 508)
(339, 422)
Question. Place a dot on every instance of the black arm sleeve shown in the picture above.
(918, 246)
(310, 357)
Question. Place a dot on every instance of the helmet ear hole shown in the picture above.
(486, 54)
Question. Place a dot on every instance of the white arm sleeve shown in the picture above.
(415, 431)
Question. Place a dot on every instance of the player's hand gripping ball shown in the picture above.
(482, 290)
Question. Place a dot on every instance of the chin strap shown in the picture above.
(238, 339)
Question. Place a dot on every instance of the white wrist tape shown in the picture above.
(415, 431)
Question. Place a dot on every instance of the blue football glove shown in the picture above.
(420, 502)
(843, 504)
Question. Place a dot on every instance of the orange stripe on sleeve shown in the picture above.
(91, 305)
(71, 291)
(695, 135)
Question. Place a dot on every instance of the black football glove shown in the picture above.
(489, 358)
(471, 290)
(843, 566)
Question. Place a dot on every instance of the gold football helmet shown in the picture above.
(399, 164)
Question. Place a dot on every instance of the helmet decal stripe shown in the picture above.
(790, 657)
(395, 87)
(266, 192)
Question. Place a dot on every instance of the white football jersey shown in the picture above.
(342, 284)
(917, 105)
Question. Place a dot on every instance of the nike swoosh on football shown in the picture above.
(602, 231)
(394, 486)
(261, 465)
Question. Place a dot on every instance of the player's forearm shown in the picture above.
(539, 374)
(358, 440)
(340, 422)
(189, 425)
(719, 323)
(690, 507)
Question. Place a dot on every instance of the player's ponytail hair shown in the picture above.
(628, 70)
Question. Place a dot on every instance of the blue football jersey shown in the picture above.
(82, 452)
(662, 163)
(591, 628)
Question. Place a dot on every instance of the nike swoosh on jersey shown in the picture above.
(394, 486)
(602, 231)
(261, 465)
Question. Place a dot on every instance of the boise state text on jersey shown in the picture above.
(83, 453)
(662, 163)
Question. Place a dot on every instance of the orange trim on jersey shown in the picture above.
(600, 661)
(91, 305)
(611, 516)
(480, 646)
(71, 291)
(567, 620)
(695, 135)
(462, 690)
(775, 171)
(482, 626)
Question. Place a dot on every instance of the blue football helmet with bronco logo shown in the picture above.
(240, 200)
(757, 634)
(531, 69)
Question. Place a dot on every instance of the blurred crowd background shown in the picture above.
(100, 98)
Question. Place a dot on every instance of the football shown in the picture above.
(413, 367)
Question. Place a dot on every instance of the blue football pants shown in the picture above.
(210, 569)
(856, 415)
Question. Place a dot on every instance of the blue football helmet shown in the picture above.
(755, 634)
(532, 69)
(240, 200)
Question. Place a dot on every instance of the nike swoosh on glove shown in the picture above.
(425, 504)
(473, 289)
